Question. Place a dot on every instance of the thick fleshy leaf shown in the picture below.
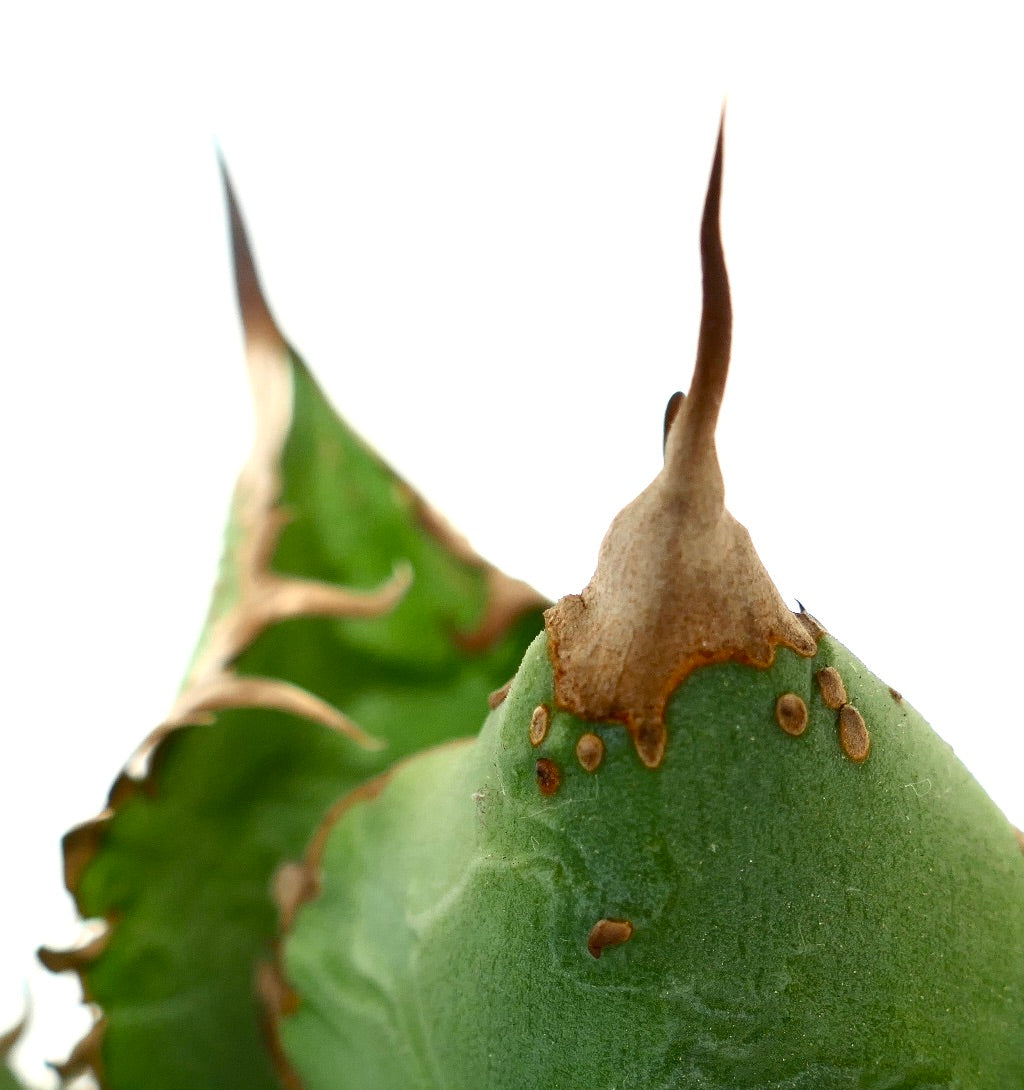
(760, 912)
(349, 628)
(698, 845)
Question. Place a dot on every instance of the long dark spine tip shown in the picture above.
(257, 320)
(715, 341)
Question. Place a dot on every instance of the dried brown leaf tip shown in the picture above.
(607, 933)
(678, 584)
(263, 596)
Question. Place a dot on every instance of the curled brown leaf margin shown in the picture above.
(265, 597)
(299, 883)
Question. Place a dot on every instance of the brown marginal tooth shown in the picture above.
(497, 698)
(85, 1057)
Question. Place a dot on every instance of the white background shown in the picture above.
(479, 222)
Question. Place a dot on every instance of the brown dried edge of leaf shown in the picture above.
(11, 1037)
(211, 684)
(86, 1056)
(298, 884)
(80, 846)
(507, 598)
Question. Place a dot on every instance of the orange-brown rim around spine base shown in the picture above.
(678, 584)
(265, 597)
(297, 884)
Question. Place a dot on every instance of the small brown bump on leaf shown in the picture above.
(896, 695)
(497, 698)
(549, 776)
(833, 691)
(791, 714)
(853, 734)
(607, 933)
(590, 751)
(1020, 838)
(539, 723)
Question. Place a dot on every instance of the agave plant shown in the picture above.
(677, 854)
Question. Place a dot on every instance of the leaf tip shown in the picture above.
(257, 320)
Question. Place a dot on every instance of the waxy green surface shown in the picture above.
(801, 921)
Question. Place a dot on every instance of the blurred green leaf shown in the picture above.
(8, 1080)
(348, 629)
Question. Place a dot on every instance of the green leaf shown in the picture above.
(349, 628)
(798, 920)
(8, 1080)
(698, 845)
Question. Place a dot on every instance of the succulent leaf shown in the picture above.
(348, 629)
(696, 845)
(783, 917)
